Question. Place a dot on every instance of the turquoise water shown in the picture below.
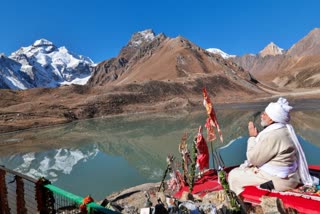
(101, 156)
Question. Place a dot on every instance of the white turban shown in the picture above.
(279, 111)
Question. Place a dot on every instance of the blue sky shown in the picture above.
(100, 28)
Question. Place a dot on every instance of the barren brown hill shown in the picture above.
(297, 68)
(164, 59)
(42, 107)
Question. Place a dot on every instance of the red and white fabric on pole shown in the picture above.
(212, 118)
(203, 152)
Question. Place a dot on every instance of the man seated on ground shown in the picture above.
(275, 159)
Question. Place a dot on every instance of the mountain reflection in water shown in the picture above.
(101, 156)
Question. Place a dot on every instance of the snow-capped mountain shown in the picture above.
(143, 36)
(220, 52)
(272, 50)
(43, 65)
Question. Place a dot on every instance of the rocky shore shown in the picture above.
(134, 200)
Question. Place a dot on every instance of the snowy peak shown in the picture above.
(140, 37)
(41, 46)
(220, 52)
(42, 42)
(272, 50)
(42, 64)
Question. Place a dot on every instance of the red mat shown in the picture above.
(314, 167)
(303, 203)
(207, 183)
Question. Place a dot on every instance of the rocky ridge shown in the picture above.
(295, 68)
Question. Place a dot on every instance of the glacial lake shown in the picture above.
(100, 156)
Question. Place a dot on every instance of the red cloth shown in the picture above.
(207, 183)
(253, 194)
(203, 152)
(210, 131)
(314, 167)
(212, 117)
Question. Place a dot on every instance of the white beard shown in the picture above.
(263, 123)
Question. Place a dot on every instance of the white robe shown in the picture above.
(274, 148)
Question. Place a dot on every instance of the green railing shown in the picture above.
(23, 195)
(65, 201)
